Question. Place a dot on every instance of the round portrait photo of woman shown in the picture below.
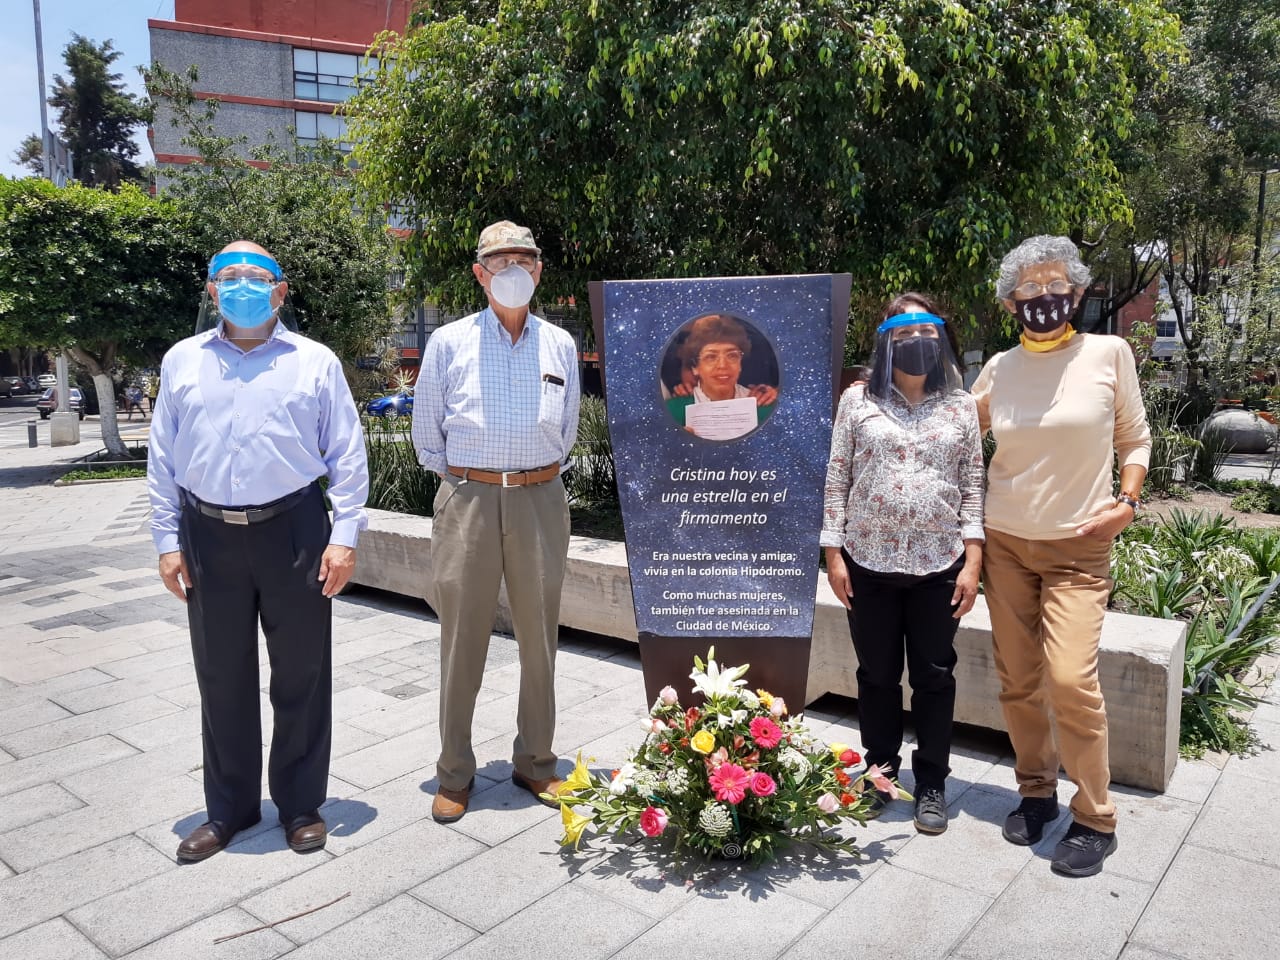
(719, 377)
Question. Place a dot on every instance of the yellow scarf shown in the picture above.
(1044, 346)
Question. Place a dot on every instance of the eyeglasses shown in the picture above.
(244, 271)
(715, 357)
(1025, 291)
(925, 331)
(500, 261)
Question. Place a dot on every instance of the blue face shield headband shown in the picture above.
(224, 260)
(910, 320)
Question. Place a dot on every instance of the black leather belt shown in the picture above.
(247, 515)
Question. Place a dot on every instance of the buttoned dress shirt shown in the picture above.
(484, 402)
(238, 428)
(904, 483)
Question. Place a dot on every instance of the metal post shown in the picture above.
(64, 392)
(31, 433)
(46, 145)
(1257, 241)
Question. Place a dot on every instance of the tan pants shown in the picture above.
(482, 533)
(1047, 599)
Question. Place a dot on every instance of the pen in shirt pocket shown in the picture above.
(552, 379)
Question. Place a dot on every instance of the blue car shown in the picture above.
(397, 405)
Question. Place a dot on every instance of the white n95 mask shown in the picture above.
(512, 286)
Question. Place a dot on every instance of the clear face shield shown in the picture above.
(913, 348)
(249, 293)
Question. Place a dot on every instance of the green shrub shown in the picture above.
(1253, 501)
(397, 481)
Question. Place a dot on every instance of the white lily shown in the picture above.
(733, 716)
(714, 682)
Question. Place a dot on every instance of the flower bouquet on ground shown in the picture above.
(735, 777)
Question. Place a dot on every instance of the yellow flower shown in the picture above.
(580, 779)
(765, 697)
(574, 824)
(838, 748)
(703, 741)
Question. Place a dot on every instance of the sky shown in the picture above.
(123, 22)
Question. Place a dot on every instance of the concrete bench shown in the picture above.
(1140, 661)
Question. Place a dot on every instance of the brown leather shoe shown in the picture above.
(551, 785)
(450, 805)
(208, 838)
(305, 832)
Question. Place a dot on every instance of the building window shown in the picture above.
(313, 126)
(329, 77)
(1166, 327)
(1090, 314)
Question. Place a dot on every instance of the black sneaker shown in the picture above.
(1025, 825)
(879, 800)
(931, 811)
(1081, 852)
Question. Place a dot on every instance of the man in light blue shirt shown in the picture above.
(249, 417)
(496, 414)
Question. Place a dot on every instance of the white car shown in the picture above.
(47, 380)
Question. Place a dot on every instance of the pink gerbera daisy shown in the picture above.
(729, 782)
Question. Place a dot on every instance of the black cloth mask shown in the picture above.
(1044, 313)
(915, 356)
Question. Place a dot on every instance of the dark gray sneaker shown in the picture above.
(1025, 825)
(931, 811)
(1081, 852)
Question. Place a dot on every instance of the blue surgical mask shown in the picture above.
(245, 301)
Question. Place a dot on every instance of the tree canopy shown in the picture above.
(109, 277)
(909, 142)
(97, 116)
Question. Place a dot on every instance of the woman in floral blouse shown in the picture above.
(903, 535)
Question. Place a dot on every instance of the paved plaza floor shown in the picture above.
(100, 776)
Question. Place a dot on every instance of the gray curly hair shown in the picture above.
(1041, 249)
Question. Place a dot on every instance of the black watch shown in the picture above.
(1134, 505)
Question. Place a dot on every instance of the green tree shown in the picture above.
(97, 115)
(297, 202)
(908, 142)
(1191, 173)
(30, 154)
(110, 277)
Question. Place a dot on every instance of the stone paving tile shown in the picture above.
(126, 920)
(35, 804)
(53, 940)
(49, 599)
(499, 811)
(179, 725)
(774, 922)
(59, 836)
(401, 929)
(973, 834)
(30, 715)
(1192, 780)
(49, 891)
(1085, 919)
(1229, 821)
(196, 941)
(573, 921)
(355, 702)
(1132, 952)
(50, 664)
(1211, 906)
(1265, 764)
(84, 726)
(149, 662)
(1150, 830)
(45, 767)
(134, 774)
(876, 921)
(483, 891)
(392, 758)
(370, 814)
(120, 691)
(372, 874)
(404, 716)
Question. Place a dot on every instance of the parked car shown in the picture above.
(33, 385)
(46, 380)
(396, 405)
(19, 385)
(7, 388)
(48, 402)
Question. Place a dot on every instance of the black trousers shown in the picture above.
(893, 612)
(242, 574)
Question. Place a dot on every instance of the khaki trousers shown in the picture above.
(1047, 599)
(483, 533)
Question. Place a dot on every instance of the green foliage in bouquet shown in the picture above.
(733, 778)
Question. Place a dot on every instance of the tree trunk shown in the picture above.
(106, 390)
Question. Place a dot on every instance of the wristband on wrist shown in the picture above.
(1133, 502)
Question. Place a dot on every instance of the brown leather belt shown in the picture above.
(511, 478)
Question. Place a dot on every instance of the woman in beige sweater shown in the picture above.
(1058, 406)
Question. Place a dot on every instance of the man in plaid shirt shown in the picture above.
(496, 415)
